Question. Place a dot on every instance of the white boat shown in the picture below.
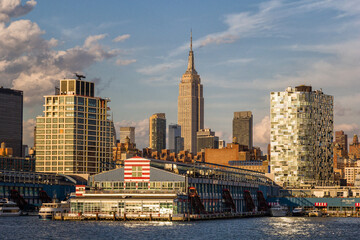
(8, 208)
(48, 210)
(278, 210)
(298, 211)
(315, 213)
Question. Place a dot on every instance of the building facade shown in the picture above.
(11, 120)
(354, 148)
(301, 136)
(190, 104)
(157, 132)
(206, 139)
(243, 128)
(176, 142)
(127, 132)
(75, 135)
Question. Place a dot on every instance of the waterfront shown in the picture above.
(251, 228)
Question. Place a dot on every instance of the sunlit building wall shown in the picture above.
(301, 136)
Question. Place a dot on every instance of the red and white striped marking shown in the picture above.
(137, 162)
(320, 204)
(80, 190)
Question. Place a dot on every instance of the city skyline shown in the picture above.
(243, 52)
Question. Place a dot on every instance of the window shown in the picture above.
(137, 171)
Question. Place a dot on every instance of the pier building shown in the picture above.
(157, 187)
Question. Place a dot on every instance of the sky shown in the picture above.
(136, 53)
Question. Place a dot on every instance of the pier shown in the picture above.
(152, 217)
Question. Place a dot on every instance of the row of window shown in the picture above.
(71, 100)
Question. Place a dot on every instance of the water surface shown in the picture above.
(249, 228)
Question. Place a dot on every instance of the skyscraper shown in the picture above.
(207, 139)
(75, 135)
(190, 104)
(11, 120)
(157, 132)
(243, 128)
(176, 142)
(301, 136)
(127, 132)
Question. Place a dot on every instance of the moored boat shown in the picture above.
(278, 210)
(48, 210)
(8, 208)
(315, 213)
(298, 211)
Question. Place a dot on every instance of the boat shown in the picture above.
(315, 213)
(48, 210)
(298, 211)
(278, 210)
(9, 208)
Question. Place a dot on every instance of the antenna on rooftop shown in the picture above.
(79, 76)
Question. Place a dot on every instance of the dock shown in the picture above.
(152, 217)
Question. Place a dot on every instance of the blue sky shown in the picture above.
(136, 51)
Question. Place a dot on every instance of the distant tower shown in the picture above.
(243, 128)
(176, 142)
(157, 132)
(190, 104)
(127, 132)
(206, 139)
(11, 119)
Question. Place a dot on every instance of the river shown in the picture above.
(249, 228)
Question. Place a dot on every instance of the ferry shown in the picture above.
(48, 210)
(9, 208)
(278, 210)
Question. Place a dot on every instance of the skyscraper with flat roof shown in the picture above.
(176, 142)
(207, 139)
(301, 136)
(11, 119)
(127, 132)
(75, 135)
(243, 128)
(157, 132)
(190, 104)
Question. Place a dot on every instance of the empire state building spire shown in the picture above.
(191, 64)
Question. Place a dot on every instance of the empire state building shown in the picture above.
(190, 104)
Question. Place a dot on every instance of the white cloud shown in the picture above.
(29, 62)
(28, 129)
(159, 69)
(13, 8)
(124, 62)
(121, 38)
(262, 133)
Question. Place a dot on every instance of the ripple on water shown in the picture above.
(251, 228)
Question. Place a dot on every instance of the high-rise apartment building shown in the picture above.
(127, 132)
(301, 136)
(243, 128)
(11, 120)
(341, 140)
(75, 135)
(207, 139)
(190, 104)
(176, 142)
(157, 132)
